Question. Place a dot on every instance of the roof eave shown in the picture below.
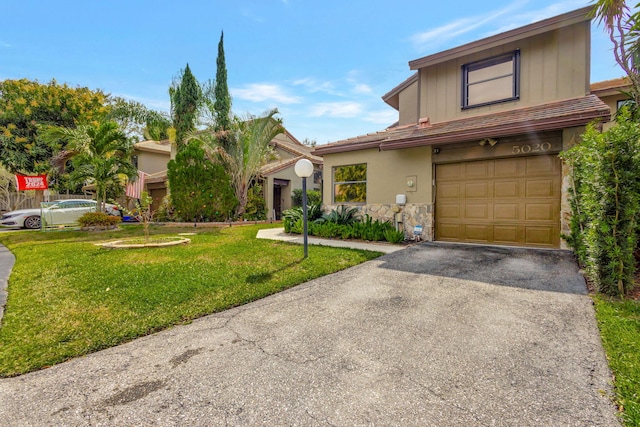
(392, 98)
(516, 34)
(321, 151)
(504, 130)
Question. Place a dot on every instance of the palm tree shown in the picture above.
(247, 150)
(623, 28)
(100, 154)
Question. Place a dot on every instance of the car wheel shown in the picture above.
(32, 222)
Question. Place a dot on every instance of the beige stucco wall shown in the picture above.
(388, 173)
(553, 66)
(151, 162)
(612, 102)
(294, 183)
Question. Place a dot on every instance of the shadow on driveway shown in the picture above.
(536, 269)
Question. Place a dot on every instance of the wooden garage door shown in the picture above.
(514, 201)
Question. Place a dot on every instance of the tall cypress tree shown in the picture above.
(186, 96)
(222, 105)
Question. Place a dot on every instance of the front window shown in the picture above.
(350, 183)
(491, 80)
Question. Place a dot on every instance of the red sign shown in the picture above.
(38, 182)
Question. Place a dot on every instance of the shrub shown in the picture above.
(374, 230)
(342, 215)
(606, 203)
(200, 190)
(165, 211)
(394, 236)
(290, 216)
(98, 219)
(313, 197)
(256, 209)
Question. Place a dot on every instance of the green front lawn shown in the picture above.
(68, 297)
(619, 323)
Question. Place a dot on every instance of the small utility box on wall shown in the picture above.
(412, 183)
(401, 199)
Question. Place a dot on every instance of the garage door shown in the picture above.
(514, 201)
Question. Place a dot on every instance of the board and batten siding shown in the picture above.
(553, 66)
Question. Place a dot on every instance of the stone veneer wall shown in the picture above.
(411, 214)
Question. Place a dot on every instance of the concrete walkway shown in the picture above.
(432, 335)
(279, 234)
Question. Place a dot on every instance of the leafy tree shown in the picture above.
(310, 142)
(26, 106)
(138, 121)
(100, 154)
(222, 104)
(248, 149)
(186, 99)
(200, 189)
(606, 203)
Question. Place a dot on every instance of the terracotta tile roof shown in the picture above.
(163, 147)
(296, 148)
(156, 177)
(610, 87)
(544, 117)
(273, 167)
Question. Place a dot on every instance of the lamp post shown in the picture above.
(304, 169)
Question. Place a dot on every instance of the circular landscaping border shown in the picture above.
(122, 244)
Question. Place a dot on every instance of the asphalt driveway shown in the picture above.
(430, 335)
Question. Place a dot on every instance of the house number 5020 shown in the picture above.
(531, 148)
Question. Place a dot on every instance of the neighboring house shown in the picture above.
(474, 154)
(151, 157)
(612, 93)
(278, 178)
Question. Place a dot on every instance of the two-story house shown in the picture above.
(474, 154)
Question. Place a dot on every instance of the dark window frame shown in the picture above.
(513, 57)
(622, 102)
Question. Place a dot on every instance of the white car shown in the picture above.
(58, 212)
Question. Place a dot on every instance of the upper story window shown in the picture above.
(621, 103)
(350, 183)
(491, 80)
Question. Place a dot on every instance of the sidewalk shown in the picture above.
(279, 234)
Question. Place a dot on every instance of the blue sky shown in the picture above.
(323, 64)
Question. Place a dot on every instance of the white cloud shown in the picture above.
(337, 109)
(383, 117)
(524, 18)
(249, 14)
(313, 85)
(362, 88)
(440, 35)
(3, 44)
(260, 92)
